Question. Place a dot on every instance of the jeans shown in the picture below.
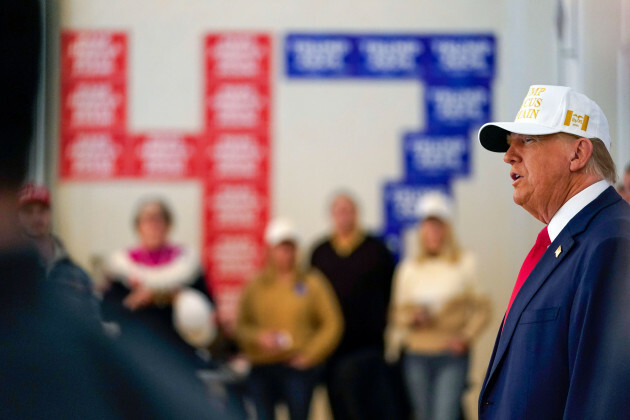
(435, 385)
(360, 387)
(275, 383)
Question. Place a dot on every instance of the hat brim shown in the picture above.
(493, 136)
(284, 240)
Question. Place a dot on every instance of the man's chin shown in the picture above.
(517, 198)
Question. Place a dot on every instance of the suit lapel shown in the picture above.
(548, 262)
(543, 270)
(490, 364)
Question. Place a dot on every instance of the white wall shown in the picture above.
(331, 134)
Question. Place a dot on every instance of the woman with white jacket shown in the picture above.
(436, 313)
(158, 287)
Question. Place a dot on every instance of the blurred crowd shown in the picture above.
(386, 341)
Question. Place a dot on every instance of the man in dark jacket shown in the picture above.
(35, 219)
(360, 269)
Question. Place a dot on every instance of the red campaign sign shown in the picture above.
(92, 155)
(233, 257)
(243, 105)
(237, 56)
(93, 105)
(227, 297)
(236, 207)
(231, 260)
(236, 161)
(237, 156)
(165, 155)
(93, 55)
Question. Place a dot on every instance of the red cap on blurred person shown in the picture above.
(31, 193)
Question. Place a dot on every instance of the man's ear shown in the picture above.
(582, 149)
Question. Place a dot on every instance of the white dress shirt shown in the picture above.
(573, 207)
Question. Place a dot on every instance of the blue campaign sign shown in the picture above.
(390, 56)
(320, 55)
(392, 236)
(460, 57)
(401, 200)
(461, 105)
(436, 155)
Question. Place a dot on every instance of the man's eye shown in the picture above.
(528, 140)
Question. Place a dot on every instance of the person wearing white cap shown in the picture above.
(562, 348)
(288, 323)
(436, 313)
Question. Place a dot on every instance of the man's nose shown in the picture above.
(510, 155)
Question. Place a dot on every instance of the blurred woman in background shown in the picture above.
(157, 286)
(288, 323)
(436, 313)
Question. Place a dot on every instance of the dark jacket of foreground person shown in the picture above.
(56, 363)
(564, 350)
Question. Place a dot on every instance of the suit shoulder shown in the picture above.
(612, 222)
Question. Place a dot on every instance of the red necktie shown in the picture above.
(537, 251)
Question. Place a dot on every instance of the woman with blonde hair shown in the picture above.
(436, 313)
(289, 322)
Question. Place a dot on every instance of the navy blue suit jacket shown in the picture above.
(565, 348)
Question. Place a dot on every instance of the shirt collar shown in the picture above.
(345, 248)
(573, 207)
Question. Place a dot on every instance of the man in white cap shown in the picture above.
(563, 348)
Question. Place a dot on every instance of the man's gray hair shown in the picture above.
(601, 163)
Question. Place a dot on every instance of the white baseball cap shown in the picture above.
(280, 230)
(434, 204)
(548, 110)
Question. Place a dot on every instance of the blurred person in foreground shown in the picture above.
(562, 349)
(360, 269)
(624, 187)
(160, 286)
(53, 363)
(35, 219)
(288, 323)
(436, 314)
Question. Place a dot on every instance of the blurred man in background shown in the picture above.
(562, 350)
(624, 187)
(35, 218)
(360, 269)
